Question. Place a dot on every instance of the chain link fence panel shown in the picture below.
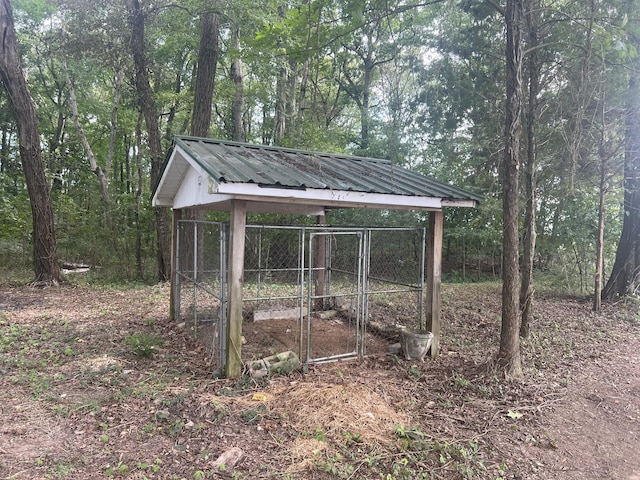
(312, 290)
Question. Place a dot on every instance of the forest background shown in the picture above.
(421, 84)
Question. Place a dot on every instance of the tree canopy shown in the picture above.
(422, 84)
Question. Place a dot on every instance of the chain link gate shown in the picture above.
(335, 283)
(200, 284)
(330, 282)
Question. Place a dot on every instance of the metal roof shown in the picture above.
(233, 163)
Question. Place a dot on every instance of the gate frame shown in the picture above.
(312, 294)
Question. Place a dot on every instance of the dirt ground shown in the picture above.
(98, 383)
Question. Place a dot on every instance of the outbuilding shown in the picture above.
(203, 173)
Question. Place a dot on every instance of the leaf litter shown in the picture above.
(77, 404)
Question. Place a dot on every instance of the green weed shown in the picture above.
(143, 344)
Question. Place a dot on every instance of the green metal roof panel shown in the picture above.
(234, 162)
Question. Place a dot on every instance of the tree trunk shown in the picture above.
(138, 207)
(302, 98)
(597, 292)
(206, 73)
(147, 107)
(529, 236)
(365, 114)
(280, 117)
(280, 121)
(45, 257)
(202, 100)
(55, 142)
(95, 168)
(113, 127)
(177, 89)
(509, 355)
(625, 276)
(238, 98)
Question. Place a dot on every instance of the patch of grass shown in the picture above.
(119, 470)
(144, 345)
(38, 382)
(414, 372)
(60, 469)
(460, 381)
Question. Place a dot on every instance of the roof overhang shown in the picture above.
(186, 184)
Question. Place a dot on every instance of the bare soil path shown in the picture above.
(594, 433)
(76, 402)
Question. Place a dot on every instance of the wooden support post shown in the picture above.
(174, 294)
(320, 266)
(233, 364)
(434, 270)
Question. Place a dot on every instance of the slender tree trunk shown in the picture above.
(625, 276)
(302, 97)
(238, 98)
(280, 120)
(177, 89)
(365, 114)
(95, 168)
(529, 235)
(45, 257)
(597, 293)
(138, 208)
(147, 107)
(126, 175)
(4, 149)
(509, 355)
(55, 142)
(113, 127)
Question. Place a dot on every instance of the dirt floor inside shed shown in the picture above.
(81, 401)
(330, 337)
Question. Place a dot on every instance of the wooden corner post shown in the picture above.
(233, 363)
(174, 294)
(434, 271)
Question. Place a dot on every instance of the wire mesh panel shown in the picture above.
(312, 290)
(395, 286)
(272, 290)
(200, 283)
(272, 264)
(335, 283)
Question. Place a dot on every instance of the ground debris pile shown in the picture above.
(336, 410)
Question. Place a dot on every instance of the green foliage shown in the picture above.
(257, 414)
(144, 345)
(427, 83)
(465, 459)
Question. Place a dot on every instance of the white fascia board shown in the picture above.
(222, 203)
(286, 208)
(161, 202)
(329, 198)
(459, 203)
